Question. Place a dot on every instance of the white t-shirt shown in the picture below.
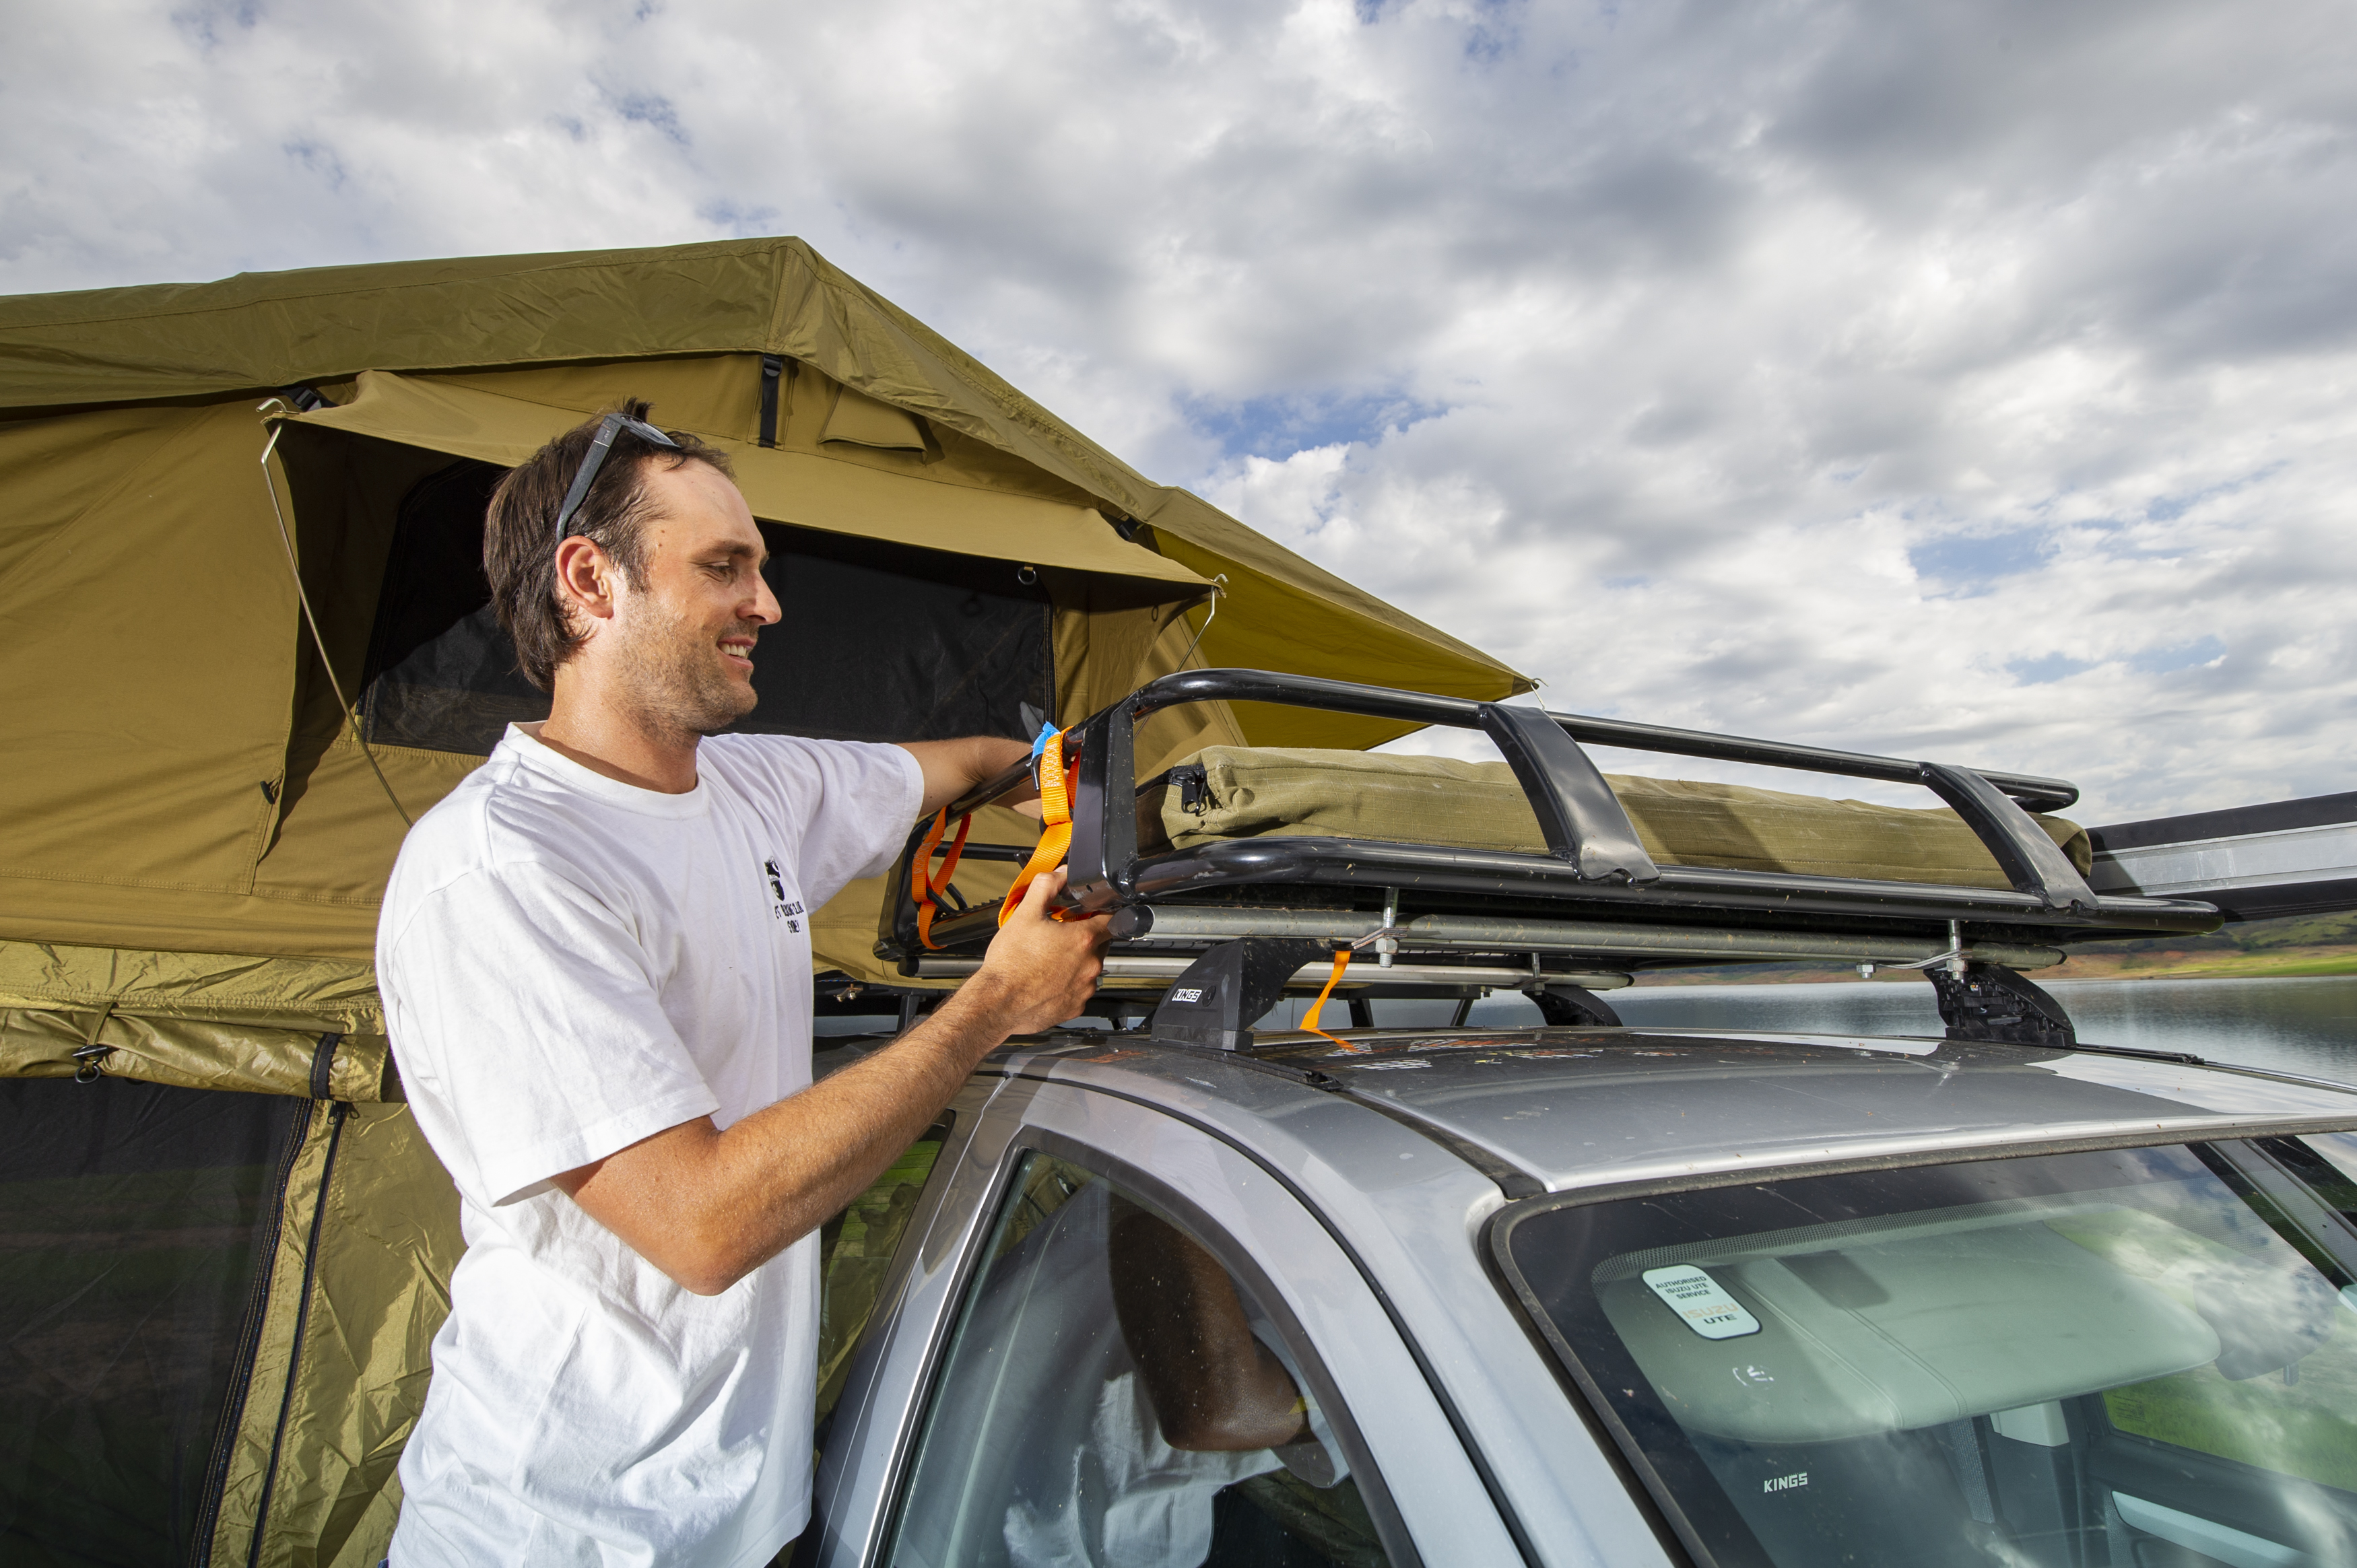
(1067, 1462)
(570, 965)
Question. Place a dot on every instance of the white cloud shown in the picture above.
(1962, 381)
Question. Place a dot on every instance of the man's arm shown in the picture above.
(954, 767)
(1214, 1387)
(707, 1207)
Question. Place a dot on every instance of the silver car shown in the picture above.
(1621, 1297)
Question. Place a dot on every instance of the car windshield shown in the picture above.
(2136, 1357)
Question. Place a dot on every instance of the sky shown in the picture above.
(1970, 381)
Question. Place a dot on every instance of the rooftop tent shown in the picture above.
(197, 839)
(180, 778)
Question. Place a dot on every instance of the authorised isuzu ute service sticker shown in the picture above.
(1702, 1302)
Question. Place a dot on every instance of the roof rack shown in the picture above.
(1594, 906)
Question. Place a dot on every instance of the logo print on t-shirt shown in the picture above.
(786, 910)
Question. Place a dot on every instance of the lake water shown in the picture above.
(2304, 1026)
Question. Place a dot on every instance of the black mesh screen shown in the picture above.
(136, 1228)
(878, 642)
(441, 674)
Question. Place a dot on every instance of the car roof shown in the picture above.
(1584, 1107)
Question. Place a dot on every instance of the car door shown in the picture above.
(1007, 1406)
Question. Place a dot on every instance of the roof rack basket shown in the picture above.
(1449, 921)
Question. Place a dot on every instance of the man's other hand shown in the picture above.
(1040, 971)
(953, 768)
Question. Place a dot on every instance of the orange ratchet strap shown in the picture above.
(1056, 825)
(927, 889)
(1309, 1019)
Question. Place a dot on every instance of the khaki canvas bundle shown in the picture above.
(1249, 791)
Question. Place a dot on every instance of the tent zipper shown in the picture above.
(336, 1112)
(233, 1415)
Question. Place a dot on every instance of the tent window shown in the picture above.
(441, 674)
(142, 1220)
(879, 642)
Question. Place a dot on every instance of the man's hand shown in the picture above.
(1043, 970)
(707, 1207)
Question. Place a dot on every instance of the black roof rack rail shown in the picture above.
(1595, 869)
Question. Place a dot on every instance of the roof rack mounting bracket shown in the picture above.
(2032, 861)
(1990, 1003)
(1567, 1005)
(1582, 819)
(1224, 993)
(1104, 808)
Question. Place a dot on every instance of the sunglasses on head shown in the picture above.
(608, 427)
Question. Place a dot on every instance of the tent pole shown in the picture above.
(288, 540)
(1219, 585)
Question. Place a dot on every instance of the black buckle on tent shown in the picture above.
(773, 371)
(89, 1056)
(304, 399)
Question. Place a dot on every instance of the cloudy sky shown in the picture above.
(1975, 381)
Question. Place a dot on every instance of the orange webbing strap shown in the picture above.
(1309, 1019)
(927, 889)
(1056, 824)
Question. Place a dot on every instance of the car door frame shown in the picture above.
(1415, 1476)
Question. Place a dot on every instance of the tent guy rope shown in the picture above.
(285, 539)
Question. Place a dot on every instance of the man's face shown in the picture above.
(681, 639)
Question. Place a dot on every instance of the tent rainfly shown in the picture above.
(244, 641)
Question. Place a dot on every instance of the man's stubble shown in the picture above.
(674, 679)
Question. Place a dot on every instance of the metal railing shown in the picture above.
(1593, 860)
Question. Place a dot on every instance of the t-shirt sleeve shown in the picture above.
(851, 802)
(527, 1022)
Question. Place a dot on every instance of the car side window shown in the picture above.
(1112, 1395)
(854, 1249)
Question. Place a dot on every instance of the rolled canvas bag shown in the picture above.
(1231, 792)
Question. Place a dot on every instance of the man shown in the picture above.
(596, 974)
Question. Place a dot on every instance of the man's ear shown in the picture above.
(585, 577)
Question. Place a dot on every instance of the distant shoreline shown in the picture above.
(2289, 963)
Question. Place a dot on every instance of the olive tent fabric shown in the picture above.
(780, 485)
(1245, 792)
(359, 1287)
(773, 296)
(301, 1026)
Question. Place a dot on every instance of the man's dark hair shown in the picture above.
(520, 530)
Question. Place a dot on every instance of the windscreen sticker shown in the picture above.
(1702, 1302)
